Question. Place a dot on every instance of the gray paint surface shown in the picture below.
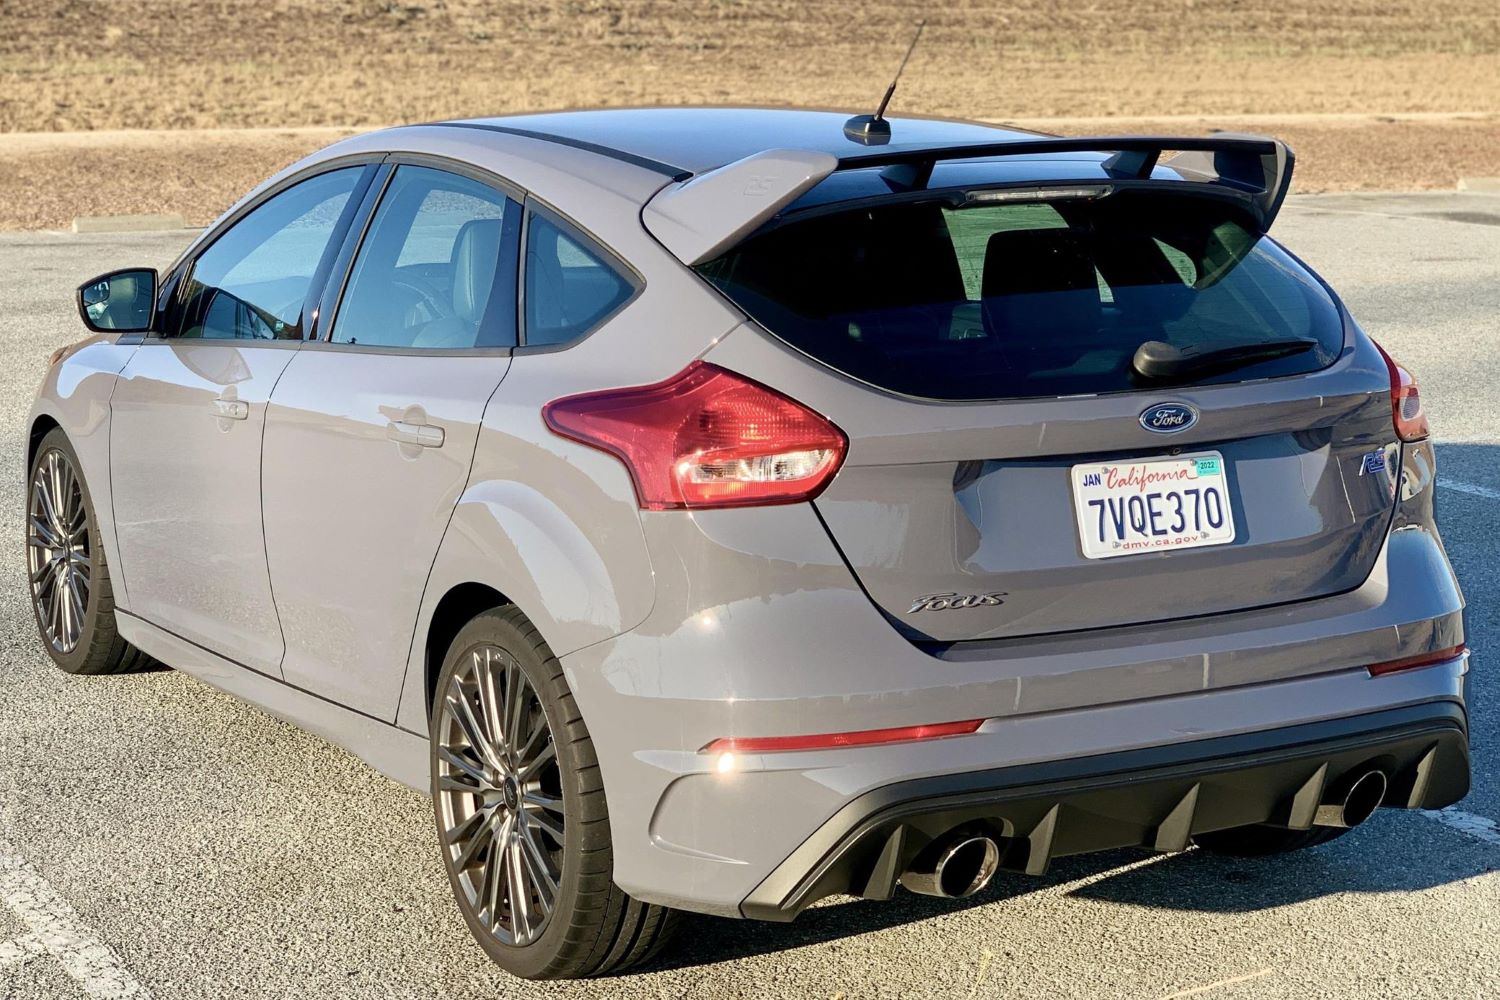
(1307, 524)
(324, 885)
(185, 479)
(701, 217)
(353, 518)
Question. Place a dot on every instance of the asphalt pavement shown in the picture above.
(159, 839)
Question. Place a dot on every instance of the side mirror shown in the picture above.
(119, 302)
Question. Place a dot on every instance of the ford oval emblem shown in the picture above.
(1168, 418)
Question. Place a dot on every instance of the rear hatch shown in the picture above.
(1082, 408)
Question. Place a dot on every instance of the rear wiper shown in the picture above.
(1158, 360)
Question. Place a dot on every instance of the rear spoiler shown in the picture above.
(699, 218)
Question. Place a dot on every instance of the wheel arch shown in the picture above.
(511, 544)
(42, 425)
(455, 609)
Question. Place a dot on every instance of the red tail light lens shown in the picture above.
(705, 438)
(1416, 662)
(829, 741)
(1406, 401)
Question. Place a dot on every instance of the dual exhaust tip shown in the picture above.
(952, 868)
(962, 864)
(1352, 801)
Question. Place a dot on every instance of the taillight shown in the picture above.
(706, 437)
(1416, 662)
(830, 741)
(1406, 401)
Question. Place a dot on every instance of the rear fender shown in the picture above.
(579, 577)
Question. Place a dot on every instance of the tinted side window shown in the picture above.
(437, 268)
(570, 285)
(252, 282)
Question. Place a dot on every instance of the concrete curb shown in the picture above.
(1479, 185)
(128, 223)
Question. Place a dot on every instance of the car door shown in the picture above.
(371, 430)
(188, 413)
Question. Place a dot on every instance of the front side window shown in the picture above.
(252, 282)
(963, 299)
(570, 285)
(437, 268)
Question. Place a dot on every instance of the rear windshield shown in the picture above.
(961, 299)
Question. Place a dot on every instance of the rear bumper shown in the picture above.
(759, 629)
(1156, 797)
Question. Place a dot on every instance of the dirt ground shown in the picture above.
(46, 179)
(85, 64)
(1373, 94)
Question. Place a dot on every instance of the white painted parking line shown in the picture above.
(19, 949)
(54, 929)
(1473, 489)
(1479, 827)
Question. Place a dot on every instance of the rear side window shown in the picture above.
(437, 268)
(571, 285)
(252, 282)
(961, 299)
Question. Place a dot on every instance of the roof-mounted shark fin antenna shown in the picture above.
(874, 130)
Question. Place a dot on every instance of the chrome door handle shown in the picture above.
(231, 409)
(423, 435)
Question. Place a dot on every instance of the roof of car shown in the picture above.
(683, 141)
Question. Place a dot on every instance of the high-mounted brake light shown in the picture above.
(1406, 401)
(1416, 662)
(706, 437)
(829, 741)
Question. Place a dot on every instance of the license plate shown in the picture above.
(1154, 505)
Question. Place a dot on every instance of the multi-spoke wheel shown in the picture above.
(58, 546)
(500, 795)
(521, 814)
(69, 582)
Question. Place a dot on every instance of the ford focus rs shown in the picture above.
(717, 510)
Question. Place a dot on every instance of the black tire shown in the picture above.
(594, 928)
(99, 648)
(1263, 841)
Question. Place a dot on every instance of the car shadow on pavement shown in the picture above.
(712, 939)
(1392, 853)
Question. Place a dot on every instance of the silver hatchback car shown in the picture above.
(720, 509)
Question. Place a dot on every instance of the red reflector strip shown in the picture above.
(1413, 662)
(828, 741)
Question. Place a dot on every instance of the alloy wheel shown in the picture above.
(500, 795)
(58, 550)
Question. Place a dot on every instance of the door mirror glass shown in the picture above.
(119, 302)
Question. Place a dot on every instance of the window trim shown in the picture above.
(174, 286)
(368, 192)
(617, 263)
(343, 260)
(333, 297)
